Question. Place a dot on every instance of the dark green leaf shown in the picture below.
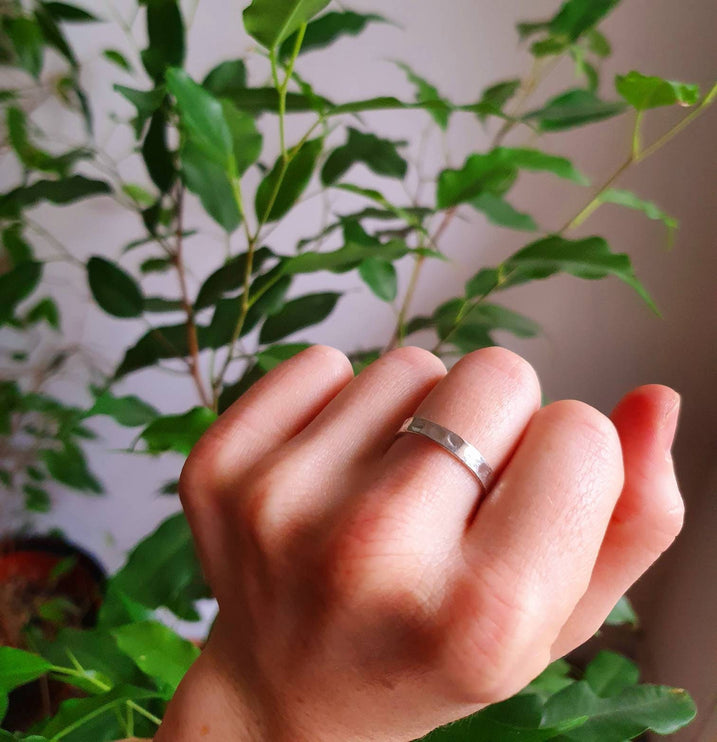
(226, 78)
(118, 59)
(156, 265)
(165, 30)
(636, 710)
(297, 314)
(410, 215)
(246, 138)
(608, 674)
(18, 667)
(27, 40)
(158, 652)
(16, 285)
(114, 290)
(53, 35)
(328, 28)
(379, 155)
(129, 411)
(209, 181)
(68, 466)
(17, 247)
(573, 108)
(548, 47)
(622, 613)
(69, 13)
(36, 499)
(270, 22)
(495, 97)
(500, 212)
(118, 609)
(380, 276)
(426, 92)
(160, 304)
(177, 433)
(271, 357)
(386, 103)
(163, 570)
(201, 118)
(554, 678)
(156, 154)
(575, 17)
(62, 191)
(347, 257)
(643, 92)
(230, 277)
(283, 185)
(145, 101)
(45, 310)
(158, 343)
(261, 100)
(598, 44)
(170, 488)
(232, 392)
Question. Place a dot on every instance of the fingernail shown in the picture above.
(669, 425)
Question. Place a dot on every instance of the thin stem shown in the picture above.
(147, 715)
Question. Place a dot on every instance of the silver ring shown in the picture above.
(465, 452)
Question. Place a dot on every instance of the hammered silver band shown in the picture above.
(465, 452)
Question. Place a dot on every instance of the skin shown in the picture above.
(363, 594)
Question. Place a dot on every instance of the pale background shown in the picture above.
(599, 339)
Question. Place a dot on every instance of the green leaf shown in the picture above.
(636, 710)
(118, 59)
(554, 678)
(380, 276)
(379, 155)
(145, 101)
(160, 304)
(589, 258)
(643, 92)
(63, 12)
(18, 667)
(68, 466)
(262, 100)
(129, 411)
(230, 277)
(632, 201)
(573, 108)
(271, 22)
(495, 171)
(177, 433)
(226, 78)
(328, 28)
(17, 247)
(156, 265)
(598, 44)
(163, 570)
(201, 118)
(27, 41)
(53, 35)
(138, 194)
(298, 314)
(409, 214)
(165, 31)
(118, 609)
(169, 341)
(575, 17)
(209, 181)
(158, 652)
(608, 674)
(426, 92)
(45, 310)
(246, 138)
(387, 103)
(495, 97)
(288, 183)
(62, 191)
(271, 357)
(498, 211)
(36, 499)
(622, 613)
(17, 284)
(113, 289)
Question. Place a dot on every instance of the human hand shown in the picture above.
(362, 594)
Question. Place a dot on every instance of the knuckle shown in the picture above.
(257, 507)
(520, 372)
(415, 361)
(330, 357)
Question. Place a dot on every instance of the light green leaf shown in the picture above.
(379, 155)
(17, 284)
(499, 211)
(27, 41)
(632, 201)
(643, 92)
(554, 678)
(328, 28)
(271, 357)
(636, 710)
(18, 667)
(202, 118)
(380, 276)
(270, 22)
(177, 433)
(145, 101)
(426, 92)
(409, 214)
(573, 108)
(118, 59)
(608, 673)
(113, 289)
(282, 186)
(575, 17)
(246, 138)
(623, 613)
(138, 194)
(298, 314)
(163, 570)
(158, 652)
(129, 411)
(495, 97)
(598, 44)
(209, 181)
(69, 466)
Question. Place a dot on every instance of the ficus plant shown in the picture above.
(202, 139)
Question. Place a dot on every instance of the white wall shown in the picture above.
(599, 339)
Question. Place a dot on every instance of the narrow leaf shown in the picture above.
(379, 155)
(114, 289)
(298, 314)
(270, 22)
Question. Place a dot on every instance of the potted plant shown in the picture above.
(198, 139)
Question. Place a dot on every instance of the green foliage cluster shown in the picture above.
(198, 139)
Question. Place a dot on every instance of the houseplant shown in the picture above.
(205, 141)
